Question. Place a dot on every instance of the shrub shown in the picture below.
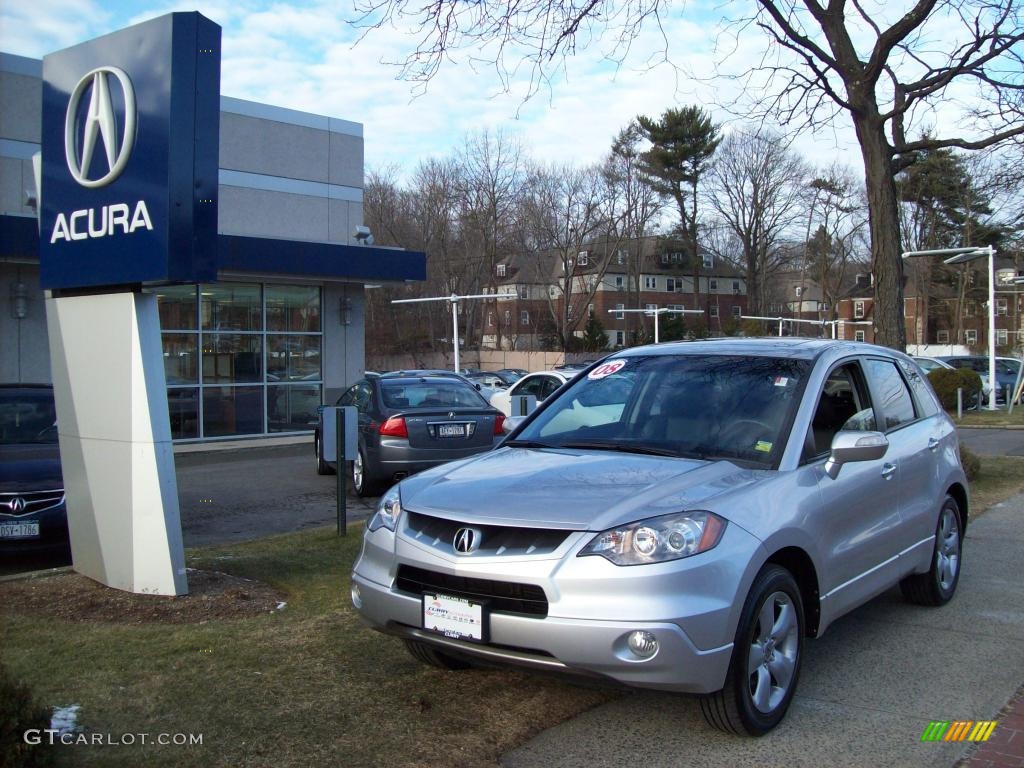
(18, 713)
(971, 463)
(946, 381)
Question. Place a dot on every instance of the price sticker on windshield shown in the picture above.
(607, 369)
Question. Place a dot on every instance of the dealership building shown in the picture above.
(281, 329)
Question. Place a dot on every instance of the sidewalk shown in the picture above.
(868, 689)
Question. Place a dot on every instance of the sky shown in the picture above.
(309, 56)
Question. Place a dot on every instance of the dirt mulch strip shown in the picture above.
(71, 596)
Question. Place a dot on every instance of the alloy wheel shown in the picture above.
(771, 659)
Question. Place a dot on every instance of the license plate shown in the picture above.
(451, 430)
(454, 617)
(19, 530)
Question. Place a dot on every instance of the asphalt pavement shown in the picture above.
(993, 442)
(869, 686)
(234, 495)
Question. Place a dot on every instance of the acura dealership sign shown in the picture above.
(129, 157)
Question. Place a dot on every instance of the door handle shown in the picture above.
(888, 470)
(933, 444)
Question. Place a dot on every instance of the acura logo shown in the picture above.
(467, 540)
(451, 414)
(16, 505)
(99, 123)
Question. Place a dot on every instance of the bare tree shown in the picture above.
(887, 70)
(755, 187)
(568, 209)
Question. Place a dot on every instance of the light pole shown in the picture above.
(455, 299)
(657, 313)
(822, 323)
(960, 256)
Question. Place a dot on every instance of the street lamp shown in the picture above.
(657, 313)
(455, 299)
(961, 256)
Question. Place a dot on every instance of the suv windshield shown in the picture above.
(430, 393)
(692, 406)
(27, 416)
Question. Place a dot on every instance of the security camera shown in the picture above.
(363, 235)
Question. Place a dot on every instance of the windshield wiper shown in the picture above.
(623, 448)
(526, 444)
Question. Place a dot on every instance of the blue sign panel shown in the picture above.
(130, 141)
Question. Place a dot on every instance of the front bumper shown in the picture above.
(689, 605)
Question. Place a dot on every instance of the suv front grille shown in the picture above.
(505, 541)
(503, 596)
(29, 502)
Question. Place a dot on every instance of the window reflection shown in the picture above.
(230, 307)
(292, 409)
(294, 308)
(183, 408)
(232, 411)
(180, 358)
(177, 307)
(293, 358)
(229, 357)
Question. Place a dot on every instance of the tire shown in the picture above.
(363, 482)
(433, 657)
(322, 467)
(938, 585)
(765, 666)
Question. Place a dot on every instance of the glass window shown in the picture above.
(230, 307)
(293, 358)
(177, 307)
(895, 401)
(292, 408)
(430, 394)
(293, 308)
(181, 358)
(922, 389)
(232, 411)
(183, 408)
(231, 358)
(842, 405)
(694, 406)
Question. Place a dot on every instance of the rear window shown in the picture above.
(27, 416)
(430, 394)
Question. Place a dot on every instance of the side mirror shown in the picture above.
(850, 446)
(511, 423)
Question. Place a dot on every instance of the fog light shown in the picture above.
(357, 598)
(643, 644)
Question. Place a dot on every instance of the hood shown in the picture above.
(30, 467)
(568, 489)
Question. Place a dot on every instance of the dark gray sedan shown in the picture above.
(410, 422)
(680, 517)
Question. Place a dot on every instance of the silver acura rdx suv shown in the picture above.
(679, 517)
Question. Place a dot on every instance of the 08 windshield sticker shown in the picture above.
(607, 369)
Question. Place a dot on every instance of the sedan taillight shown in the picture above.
(394, 427)
(499, 423)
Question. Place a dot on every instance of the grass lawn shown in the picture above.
(998, 418)
(305, 685)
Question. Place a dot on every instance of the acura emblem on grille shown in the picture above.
(451, 414)
(467, 540)
(16, 505)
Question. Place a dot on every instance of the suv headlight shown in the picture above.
(658, 539)
(388, 510)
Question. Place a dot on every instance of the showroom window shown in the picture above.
(241, 358)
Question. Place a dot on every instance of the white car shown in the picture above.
(539, 384)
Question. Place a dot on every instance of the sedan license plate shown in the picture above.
(455, 617)
(451, 430)
(19, 530)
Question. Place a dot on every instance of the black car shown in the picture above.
(33, 515)
(409, 422)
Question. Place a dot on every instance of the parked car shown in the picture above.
(492, 381)
(929, 364)
(410, 423)
(510, 375)
(33, 515)
(683, 518)
(540, 385)
(483, 389)
(1006, 372)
